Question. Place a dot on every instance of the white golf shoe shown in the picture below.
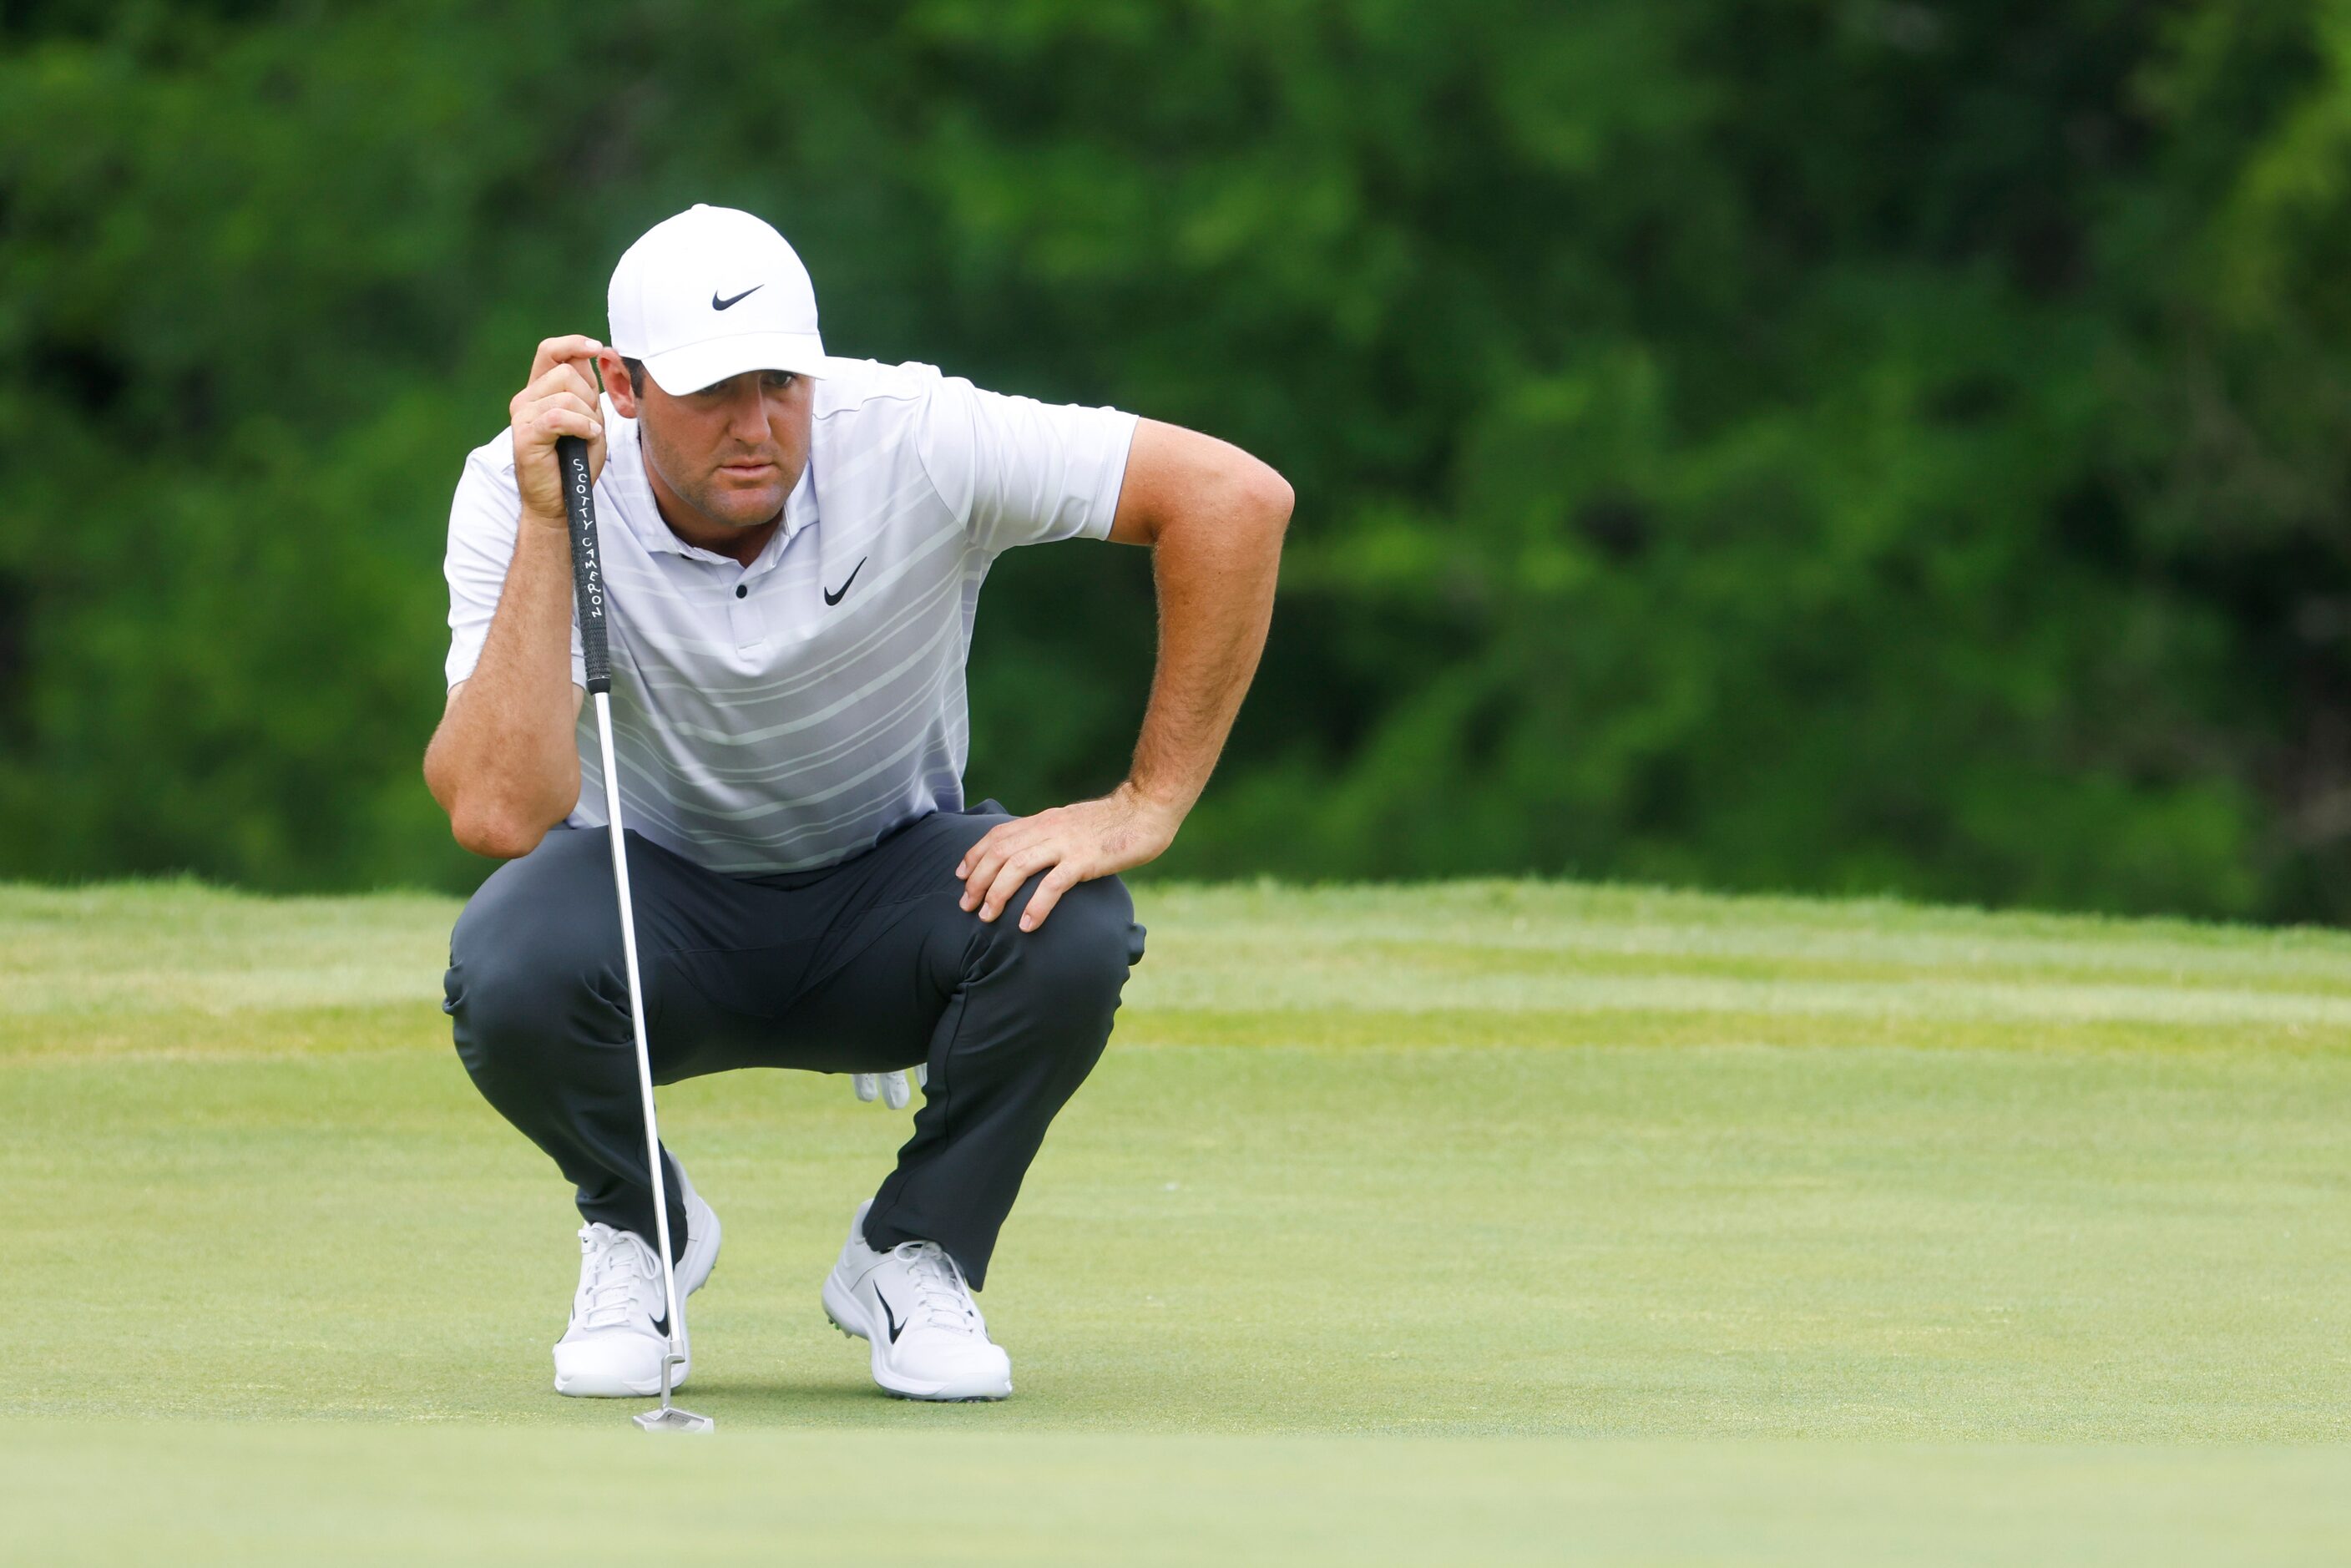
(911, 1306)
(619, 1330)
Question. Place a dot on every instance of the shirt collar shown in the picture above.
(799, 506)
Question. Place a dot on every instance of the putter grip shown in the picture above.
(587, 563)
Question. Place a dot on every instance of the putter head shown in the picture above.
(670, 1418)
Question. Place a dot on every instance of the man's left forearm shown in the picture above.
(1215, 567)
(1214, 517)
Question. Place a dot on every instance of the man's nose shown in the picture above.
(747, 417)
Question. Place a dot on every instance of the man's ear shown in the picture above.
(616, 382)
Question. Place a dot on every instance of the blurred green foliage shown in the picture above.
(1799, 444)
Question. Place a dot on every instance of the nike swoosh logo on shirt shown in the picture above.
(718, 304)
(831, 597)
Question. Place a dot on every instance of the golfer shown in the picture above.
(793, 548)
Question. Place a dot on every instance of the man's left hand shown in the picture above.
(1070, 845)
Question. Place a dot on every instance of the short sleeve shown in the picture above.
(1021, 472)
(483, 519)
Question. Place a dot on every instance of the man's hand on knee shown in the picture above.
(1070, 845)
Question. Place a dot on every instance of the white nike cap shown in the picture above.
(711, 293)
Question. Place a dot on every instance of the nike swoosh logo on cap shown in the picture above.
(718, 304)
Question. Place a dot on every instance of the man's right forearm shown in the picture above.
(505, 763)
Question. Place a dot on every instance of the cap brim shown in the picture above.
(698, 365)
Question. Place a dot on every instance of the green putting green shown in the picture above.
(1529, 1215)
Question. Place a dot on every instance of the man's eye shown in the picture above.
(778, 380)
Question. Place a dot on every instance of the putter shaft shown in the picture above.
(587, 589)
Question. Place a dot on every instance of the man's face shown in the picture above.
(732, 451)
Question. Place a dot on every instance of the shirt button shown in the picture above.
(741, 588)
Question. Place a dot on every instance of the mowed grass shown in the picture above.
(1535, 1222)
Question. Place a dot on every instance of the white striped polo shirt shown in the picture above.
(786, 714)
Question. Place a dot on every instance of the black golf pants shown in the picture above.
(865, 967)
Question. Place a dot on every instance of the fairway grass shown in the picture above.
(1558, 1222)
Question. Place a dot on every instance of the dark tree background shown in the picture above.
(1794, 444)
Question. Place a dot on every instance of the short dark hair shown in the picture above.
(636, 369)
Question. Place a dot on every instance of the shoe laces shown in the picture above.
(618, 1276)
(942, 1300)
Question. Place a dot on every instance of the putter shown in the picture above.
(588, 589)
